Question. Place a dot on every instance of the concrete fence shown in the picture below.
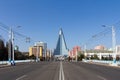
(16, 61)
(101, 61)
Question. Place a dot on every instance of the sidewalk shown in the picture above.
(4, 65)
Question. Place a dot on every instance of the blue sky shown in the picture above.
(42, 19)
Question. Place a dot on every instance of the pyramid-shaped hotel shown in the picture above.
(61, 47)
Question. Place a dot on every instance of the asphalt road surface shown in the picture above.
(59, 71)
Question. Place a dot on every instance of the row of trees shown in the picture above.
(4, 52)
(98, 51)
(79, 57)
(93, 57)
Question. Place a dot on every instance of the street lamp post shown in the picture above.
(13, 58)
(85, 51)
(37, 53)
(72, 55)
(11, 47)
(76, 55)
(113, 44)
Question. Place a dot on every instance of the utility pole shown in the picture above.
(85, 51)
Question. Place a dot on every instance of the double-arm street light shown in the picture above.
(11, 47)
(113, 43)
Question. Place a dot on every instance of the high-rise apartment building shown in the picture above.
(39, 49)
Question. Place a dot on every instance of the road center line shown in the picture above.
(63, 78)
(61, 72)
(21, 77)
(102, 78)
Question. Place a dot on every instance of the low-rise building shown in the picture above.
(73, 52)
(99, 47)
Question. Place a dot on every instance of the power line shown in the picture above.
(103, 33)
(19, 34)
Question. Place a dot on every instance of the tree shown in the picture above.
(1, 44)
(32, 57)
(96, 57)
(80, 55)
(3, 52)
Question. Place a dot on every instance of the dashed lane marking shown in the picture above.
(102, 78)
(20, 78)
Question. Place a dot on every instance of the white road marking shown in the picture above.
(20, 78)
(61, 72)
(63, 78)
(102, 78)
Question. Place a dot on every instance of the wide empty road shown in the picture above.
(59, 71)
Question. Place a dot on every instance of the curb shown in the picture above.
(2, 66)
(108, 65)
